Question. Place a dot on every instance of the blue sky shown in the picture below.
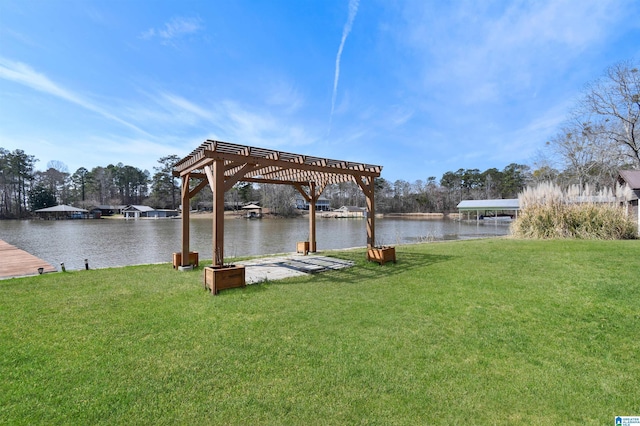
(420, 87)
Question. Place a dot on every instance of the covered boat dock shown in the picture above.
(63, 211)
(489, 208)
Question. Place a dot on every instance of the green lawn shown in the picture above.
(482, 332)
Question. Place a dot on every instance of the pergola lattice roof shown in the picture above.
(271, 166)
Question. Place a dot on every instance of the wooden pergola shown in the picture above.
(222, 164)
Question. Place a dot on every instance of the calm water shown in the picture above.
(107, 243)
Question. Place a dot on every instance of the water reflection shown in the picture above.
(112, 242)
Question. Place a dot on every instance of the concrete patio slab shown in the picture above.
(294, 265)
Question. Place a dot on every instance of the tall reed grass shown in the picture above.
(548, 212)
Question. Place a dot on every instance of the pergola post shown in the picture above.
(185, 220)
(217, 183)
(312, 216)
(371, 217)
(367, 184)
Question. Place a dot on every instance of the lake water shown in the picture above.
(114, 242)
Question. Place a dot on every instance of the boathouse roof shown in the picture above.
(62, 208)
(499, 204)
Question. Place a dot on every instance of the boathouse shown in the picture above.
(348, 212)
(136, 212)
(491, 209)
(63, 211)
(253, 211)
(110, 210)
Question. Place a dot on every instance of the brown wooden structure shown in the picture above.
(222, 164)
(15, 262)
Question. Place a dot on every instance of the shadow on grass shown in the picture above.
(364, 270)
(361, 271)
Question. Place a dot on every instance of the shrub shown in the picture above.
(547, 212)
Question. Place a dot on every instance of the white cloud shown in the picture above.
(188, 106)
(260, 127)
(111, 146)
(488, 51)
(284, 95)
(270, 124)
(27, 76)
(399, 115)
(23, 74)
(176, 28)
(21, 38)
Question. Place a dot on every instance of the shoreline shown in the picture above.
(267, 215)
(320, 215)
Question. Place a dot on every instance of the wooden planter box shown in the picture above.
(381, 255)
(218, 278)
(304, 247)
(193, 259)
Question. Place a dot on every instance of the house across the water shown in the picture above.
(322, 205)
(137, 211)
(109, 210)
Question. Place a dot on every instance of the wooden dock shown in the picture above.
(18, 263)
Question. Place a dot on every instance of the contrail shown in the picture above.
(353, 9)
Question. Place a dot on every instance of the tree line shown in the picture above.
(24, 189)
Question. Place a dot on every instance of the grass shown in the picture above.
(493, 331)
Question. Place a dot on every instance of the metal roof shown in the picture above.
(502, 204)
(61, 208)
(252, 207)
(139, 208)
(631, 177)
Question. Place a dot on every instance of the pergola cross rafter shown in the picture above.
(223, 164)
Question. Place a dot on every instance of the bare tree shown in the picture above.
(613, 105)
(587, 155)
(280, 199)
